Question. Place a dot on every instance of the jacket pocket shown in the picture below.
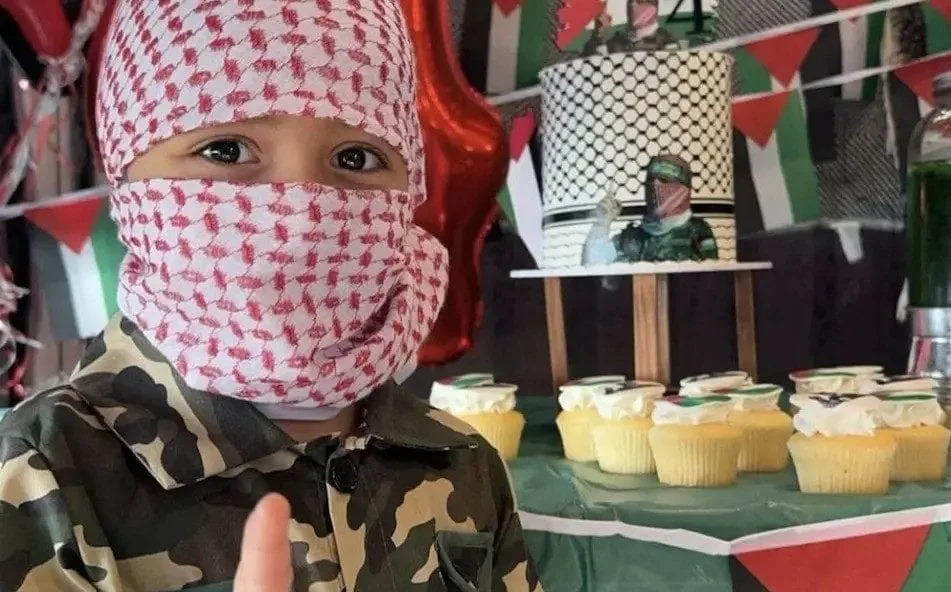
(465, 560)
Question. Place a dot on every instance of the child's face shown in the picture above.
(276, 149)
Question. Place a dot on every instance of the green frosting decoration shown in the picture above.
(698, 401)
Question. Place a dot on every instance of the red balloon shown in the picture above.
(43, 23)
(466, 159)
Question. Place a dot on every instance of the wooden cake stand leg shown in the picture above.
(745, 322)
(555, 317)
(651, 329)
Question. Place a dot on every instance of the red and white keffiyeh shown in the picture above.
(291, 293)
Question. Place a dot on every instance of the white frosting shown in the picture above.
(706, 384)
(911, 410)
(495, 398)
(898, 384)
(841, 379)
(712, 409)
(755, 397)
(579, 394)
(445, 387)
(847, 417)
(635, 399)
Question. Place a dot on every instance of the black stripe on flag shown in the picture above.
(45, 255)
(474, 44)
(823, 61)
(749, 218)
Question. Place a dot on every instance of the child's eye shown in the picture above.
(360, 159)
(227, 152)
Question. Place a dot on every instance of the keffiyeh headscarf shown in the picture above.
(297, 294)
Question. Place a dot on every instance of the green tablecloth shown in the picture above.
(548, 485)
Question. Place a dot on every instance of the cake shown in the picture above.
(487, 406)
(838, 380)
(766, 429)
(637, 159)
(837, 448)
(709, 384)
(916, 422)
(693, 443)
(578, 414)
(620, 437)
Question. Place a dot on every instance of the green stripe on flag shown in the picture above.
(796, 160)
(939, 30)
(505, 203)
(932, 570)
(534, 37)
(873, 56)
(109, 253)
(754, 78)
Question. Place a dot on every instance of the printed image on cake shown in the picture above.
(637, 159)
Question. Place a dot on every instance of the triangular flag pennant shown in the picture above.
(70, 223)
(508, 6)
(942, 6)
(757, 118)
(573, 17)
(783, 56)
(932, 565)
(841, 565)
(920, 76)
(847, 4)
(523, 128)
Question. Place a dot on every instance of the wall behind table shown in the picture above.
(814, 309)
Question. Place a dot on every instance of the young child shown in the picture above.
(266, 158)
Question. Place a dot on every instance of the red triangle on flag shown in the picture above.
(847, 4)
(942, 6)
(879, 561)
(783, 56)
(523, 128)
(573, 17)
(507, 6)
(70, 223)
(757, 118)
(920, 75)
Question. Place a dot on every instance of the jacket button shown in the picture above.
(343, 474)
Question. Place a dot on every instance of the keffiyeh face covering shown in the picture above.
(296, 294)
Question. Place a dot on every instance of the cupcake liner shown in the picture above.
(922, 453)
(623, 447)
(575, 428)
(502, 430)
(696, 456)
(846, 464)
(765, 434)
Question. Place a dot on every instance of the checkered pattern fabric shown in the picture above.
(299, 294)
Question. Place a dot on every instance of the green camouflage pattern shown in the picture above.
(126, 479)
(694, 241)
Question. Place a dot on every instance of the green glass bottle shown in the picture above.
(929, 206)
(928, 235)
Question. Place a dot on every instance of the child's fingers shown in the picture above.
(265, 564)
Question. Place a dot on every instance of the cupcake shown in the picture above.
(486, 406)
(693, 443)
(620, 436)
(897, 384)
(709, 384)
(841, 379)
(766, 429)
(578, 414)
(837, 448)
(916, 422)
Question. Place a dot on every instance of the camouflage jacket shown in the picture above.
(128, 480)
(693, 241)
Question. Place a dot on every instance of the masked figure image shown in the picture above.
(669, 230)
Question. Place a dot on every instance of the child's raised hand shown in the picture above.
(265, 564)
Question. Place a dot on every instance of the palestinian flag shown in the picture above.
(76, 252)
(776, 183)
(520, 199)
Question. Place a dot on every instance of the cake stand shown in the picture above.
(651, 323)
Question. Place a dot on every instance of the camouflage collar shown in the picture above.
(182, 435)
